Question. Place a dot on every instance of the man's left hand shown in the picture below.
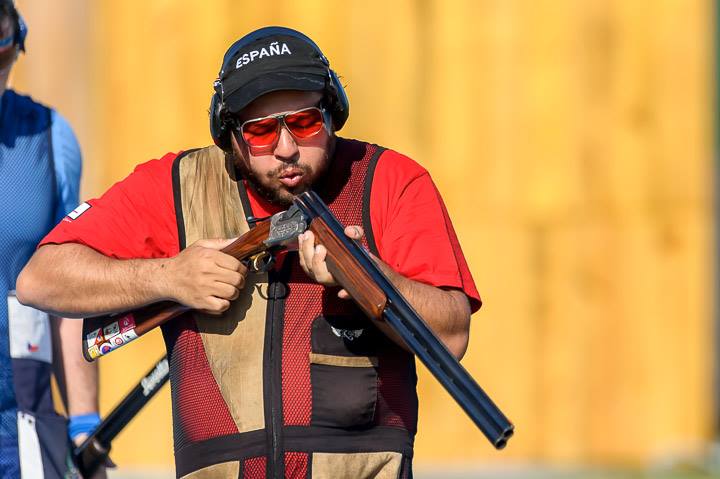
(312, 257)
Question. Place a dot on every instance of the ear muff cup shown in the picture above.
(219, 128)
(335, 96)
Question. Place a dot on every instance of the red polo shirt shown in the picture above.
(136, 218)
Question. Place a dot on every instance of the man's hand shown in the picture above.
(101, 473)
(312, 257)
(447, 312)
(203, 277)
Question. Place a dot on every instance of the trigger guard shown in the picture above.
(261, 262)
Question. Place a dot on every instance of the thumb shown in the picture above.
(215, 243)
(354, 232)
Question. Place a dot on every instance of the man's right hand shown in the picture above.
(203, 277)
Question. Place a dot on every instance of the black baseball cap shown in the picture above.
(267, 60)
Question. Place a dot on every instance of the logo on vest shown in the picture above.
(271, 50)
(347, 334)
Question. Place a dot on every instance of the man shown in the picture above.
(275, 374)
(39, 181)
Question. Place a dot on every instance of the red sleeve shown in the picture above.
(135, 218)
(412, 229)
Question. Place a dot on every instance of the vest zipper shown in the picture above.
(276, 468)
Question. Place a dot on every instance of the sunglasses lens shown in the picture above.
(306, 123)
(261, 132)
(264, 131)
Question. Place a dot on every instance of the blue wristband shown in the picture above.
(82, 424)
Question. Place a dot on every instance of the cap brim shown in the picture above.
(270, 82)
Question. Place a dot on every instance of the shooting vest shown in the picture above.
(33, 438)
(291, 381)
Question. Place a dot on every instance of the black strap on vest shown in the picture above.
(367, 224)
(245, 201)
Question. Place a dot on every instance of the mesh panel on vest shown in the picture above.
(302, 305)
(199, 410)
(296, 465)
(300, 310)
(254, 468)
(397, 399)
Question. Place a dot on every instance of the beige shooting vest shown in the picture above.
(290, 381)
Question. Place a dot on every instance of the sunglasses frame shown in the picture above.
(280, 117)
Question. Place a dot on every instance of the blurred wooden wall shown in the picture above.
(571, 139)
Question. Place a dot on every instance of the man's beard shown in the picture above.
(281, 196)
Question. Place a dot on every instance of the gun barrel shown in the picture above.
(94, 450)
(451, 374)
(417, 335)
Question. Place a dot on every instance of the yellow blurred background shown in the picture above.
(572, 141)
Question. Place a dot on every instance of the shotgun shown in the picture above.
(359, 275)
(94, 450)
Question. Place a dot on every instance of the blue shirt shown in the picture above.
(40, 165)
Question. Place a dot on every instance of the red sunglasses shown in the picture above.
(264, 132)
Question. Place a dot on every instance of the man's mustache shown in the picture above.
(282, 169)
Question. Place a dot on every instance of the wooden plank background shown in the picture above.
(572, 142)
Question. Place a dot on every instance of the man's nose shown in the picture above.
(286, 148)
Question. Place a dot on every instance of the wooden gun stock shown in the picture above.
(103, 334)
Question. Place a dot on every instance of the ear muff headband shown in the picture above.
(335, 96)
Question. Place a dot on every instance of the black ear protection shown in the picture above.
(19, 27)
(335, 99)
(21, 33)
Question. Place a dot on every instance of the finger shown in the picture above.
(343, 294)
(217, 306)
(319, 266)
(307, 250)
(227, 276)
(303, 265)
(235, 296)
(80, 438)
(243, 271)
(214, 243)
(355, 232)
(224, 290)
(226, 261)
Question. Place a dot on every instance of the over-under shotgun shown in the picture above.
(354, 270)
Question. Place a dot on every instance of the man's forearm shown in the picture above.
(447, 312)
(77, 377)
(74, 280)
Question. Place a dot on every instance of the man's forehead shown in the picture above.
(279, 102)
